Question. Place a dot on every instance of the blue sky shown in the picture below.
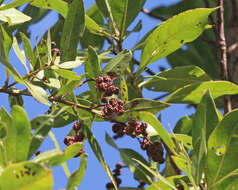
(95, 177)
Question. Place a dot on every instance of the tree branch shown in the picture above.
(223, 53)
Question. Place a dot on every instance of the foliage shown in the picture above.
(202, 146)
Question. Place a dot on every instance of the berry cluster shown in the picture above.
(112, 107)
(105, 84)
(133, 129)
(55, 50)
(116, 172)
(78, 137)
(154, 150)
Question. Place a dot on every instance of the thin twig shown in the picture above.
(232, 48)
(147, 12)
(149, 71)
(223, 53)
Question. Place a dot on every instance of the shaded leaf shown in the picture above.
(73, 29)
(27, 176)
(14, 4)
(193, 93)
(69, 87)
(124, 89)
(175, 78)
(67, 74)
(173, 34)
(6, 42)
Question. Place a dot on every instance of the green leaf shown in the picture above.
(69, 87)
(57, 5)
(41, 125)
(185, 140)
(98, 152)
(124, 89)
(23, 132)
(20, 54)
(221, 169)
(70, 64)
(15, 100)
(192, 94)
(173, 180)
(67, 74)
(142, 104)
(76, 178)
(73, 29)
(13, 16)
(173, 34)
(28, 50)
(6, 42)
(172, 79)
(184, 125)
(14, 4)
(38, 93)
(204, 122)
(118, 64)
(68, 153)
(93, 69)
(27, 176)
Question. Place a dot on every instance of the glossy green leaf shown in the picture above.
(44, 157)
(173, 34)
(98, 152)
(76, 177)
(221, 169)
(14, 4)
(28, 50)
(13, 16)
(70, 64)
(68, 153)
(172, 79)
(185, 140)
(184, 126)
(142, 104)
(57, 5)
(124, 89)
(118, 64)
(41, 125)
(23, 132)
(67, 74)
(192, 94)
(27, 176)
(38, 93)
(73, 29)
(20, 54)
(204, 122)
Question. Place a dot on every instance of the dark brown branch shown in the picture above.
(223, 53)
(15, 92)
(147, 12)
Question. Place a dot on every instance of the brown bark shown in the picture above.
(232, 40)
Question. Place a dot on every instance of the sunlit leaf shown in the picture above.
(193, 93)
(27, 176)
(173, 34)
